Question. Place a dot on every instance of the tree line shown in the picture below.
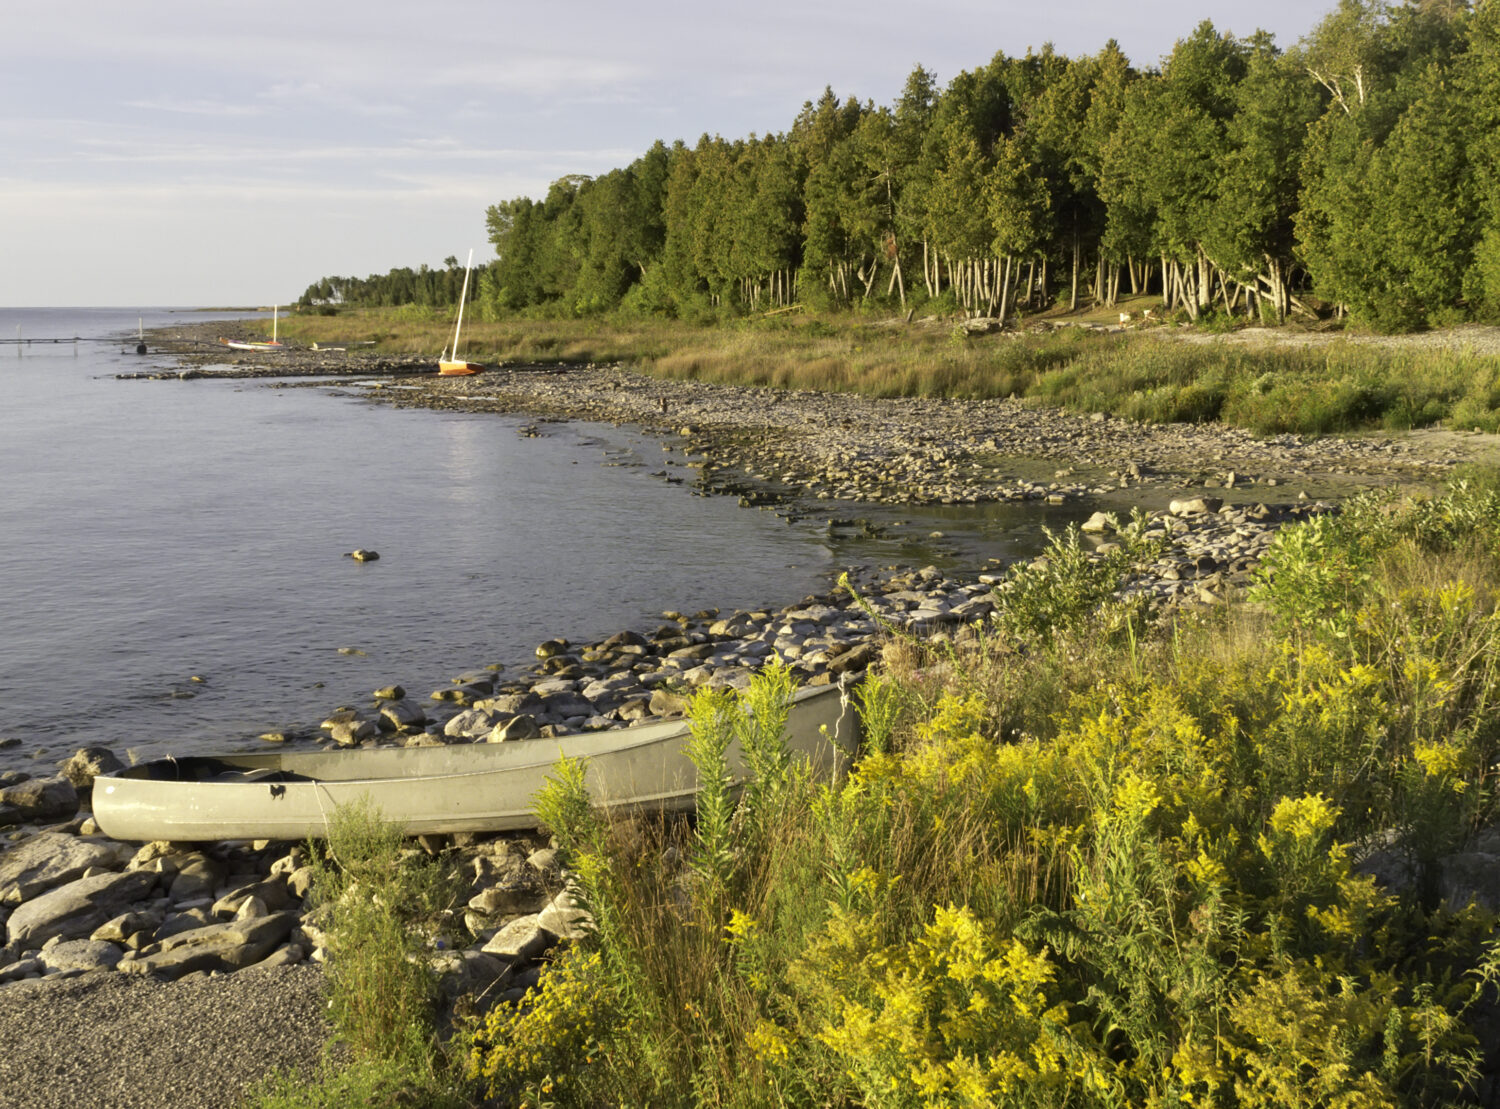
(422, 286)
(1357, 172)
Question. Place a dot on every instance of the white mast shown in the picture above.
(463, 296)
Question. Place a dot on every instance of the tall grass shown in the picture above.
(380, 904)
(1334, 388)
(1338, 387)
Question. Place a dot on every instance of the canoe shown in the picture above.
(466, 787)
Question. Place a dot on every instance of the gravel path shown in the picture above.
(115, 1041)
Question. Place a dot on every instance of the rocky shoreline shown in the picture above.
(79, 910)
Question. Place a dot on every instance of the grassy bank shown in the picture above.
(1086, 860)
(1332, 387)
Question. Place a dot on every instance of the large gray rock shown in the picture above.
(20, 969)
(403, 714)
(666, 703)
(511, 703)
(272, 893)
(42, 798)
(126, 928)
(565, 919)
(81, 956)
(1195, 506)
(522, 940)
(198, 875)
(560, 706)
(471, 723)
(230, 946)
(505, 899)
(523, 726)
(50, 859)
(351, 733)
(76, 909)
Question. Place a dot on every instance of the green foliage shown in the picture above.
(1069, 586)
(371, 1084)
(379, 906)
(713, 726)
(382, 907)
(1144, 894)
(528, 1051)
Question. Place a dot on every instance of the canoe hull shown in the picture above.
(471, 787)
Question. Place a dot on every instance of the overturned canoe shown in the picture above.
(469, 787)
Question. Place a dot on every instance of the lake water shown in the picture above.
(172, 570)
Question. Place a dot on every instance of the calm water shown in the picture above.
(158, 532)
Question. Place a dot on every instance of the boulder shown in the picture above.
(1470, 876)
(81, 956)
(351, 733)
(229, 946)
(42, 799)
(520, 941)
(511, 703)
(21, 969)
(855, 659)
(272, 893)
(1195, 506)
(565, 919)
(636, 708)
(50, 859)
(467, 972)
(523, 726)
(288, 954)
(198, 875)
(505, 899)
(560, 706)
(188, 920)
(124, 928)
(74, 910)
(623, 639)
(403, 714)
(666, 703)
(471, 723)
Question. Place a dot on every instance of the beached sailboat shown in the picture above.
(246, 344)
(455, 367)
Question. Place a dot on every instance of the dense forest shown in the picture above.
(1357, 172)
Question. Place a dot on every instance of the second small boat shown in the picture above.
(246, 344)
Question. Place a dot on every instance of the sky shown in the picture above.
(166, 153)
